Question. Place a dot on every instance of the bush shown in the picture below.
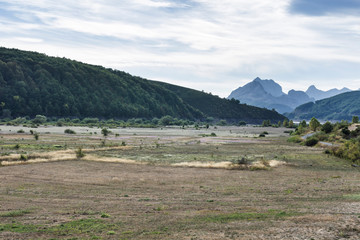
(349, 150)
(105, 132)
(327, 127)
(311, 141)
(222, 123)
(69, 131)
(39, 119)
(20, 131)
(242, 123)
(295, 139)
(79, 153)
(166, 120)
(23, 157)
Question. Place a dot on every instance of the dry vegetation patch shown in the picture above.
(163, 187)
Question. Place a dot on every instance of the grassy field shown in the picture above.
(172, 183)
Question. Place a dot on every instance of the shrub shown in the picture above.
(105, 132)
(69, 131)
(23, 157)
(166, 120)
(20, 131)
(241, 161)
(295, 139)
(39, 119)
(222, 122)
(79, 153)
(311, 141)
(242, 123)
(349, 150)
(327, 127)
(90, 120)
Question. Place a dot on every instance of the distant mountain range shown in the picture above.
(269, 94)
(317, 94)
(340, 107)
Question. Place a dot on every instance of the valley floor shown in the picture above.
(311, 196)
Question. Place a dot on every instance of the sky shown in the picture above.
(215, 46)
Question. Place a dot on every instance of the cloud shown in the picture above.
(214, 45)
(325, 7)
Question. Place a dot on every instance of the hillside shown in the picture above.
(339, 107)
(268, 94)
(221, 108)
(33, 83)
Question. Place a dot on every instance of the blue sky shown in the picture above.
(215, 46)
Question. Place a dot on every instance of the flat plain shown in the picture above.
(173, 183)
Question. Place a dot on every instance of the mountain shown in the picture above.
(269, 94)
(340, 107)
(317, 94)
(32, 83)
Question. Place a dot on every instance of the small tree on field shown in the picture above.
(266, 123)
(303, 123)
(355, 119)
(327, 127)
(314, 124)
(105, 132)
(291, 124)
(286, 122)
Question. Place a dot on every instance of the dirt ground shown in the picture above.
(79, 199)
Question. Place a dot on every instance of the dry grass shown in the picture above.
(175, 184)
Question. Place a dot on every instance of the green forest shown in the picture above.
(35, 84)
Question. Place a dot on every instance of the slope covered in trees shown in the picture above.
(340, 107)
(222, 108)
(33, 83)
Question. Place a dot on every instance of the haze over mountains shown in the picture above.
(267, 93)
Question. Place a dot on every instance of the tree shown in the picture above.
(39, 119)
(303, 123)
(314, 124)
(291, 124)
(105, 132)
(355, 119)
(286, 122)
(266, 123)
(166, 120)
(327, 127)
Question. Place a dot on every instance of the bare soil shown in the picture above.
(313, 196)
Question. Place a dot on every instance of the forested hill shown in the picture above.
(33, 83)
(221, 108)
(340, 107)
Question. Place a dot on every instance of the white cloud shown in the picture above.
(214, 42)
